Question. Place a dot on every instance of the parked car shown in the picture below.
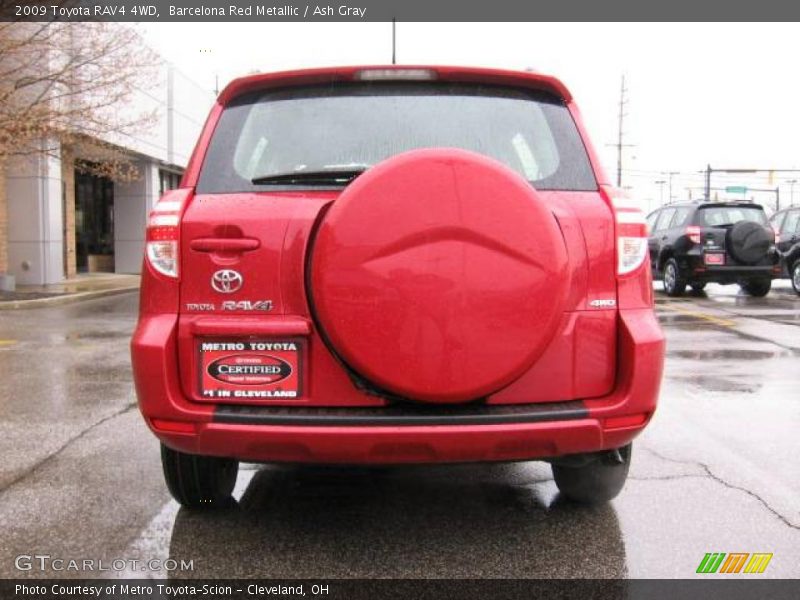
(396, 265)
(786, 224)
(694, 243)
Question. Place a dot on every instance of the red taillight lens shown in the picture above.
(693, 233)
(163, 232)
(631, 232)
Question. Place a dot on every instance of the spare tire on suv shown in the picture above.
(749, 242)
(448, 251)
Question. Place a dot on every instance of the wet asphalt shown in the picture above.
(716, 471)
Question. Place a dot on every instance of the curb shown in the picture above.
(64, 298)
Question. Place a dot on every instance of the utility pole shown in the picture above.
(791, 183)
(620, 131)
(394, 41)
(670, 174)
(708, 182)
(660, 183)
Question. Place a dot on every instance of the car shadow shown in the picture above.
(466, 521)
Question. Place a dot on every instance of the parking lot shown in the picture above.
(717, 471)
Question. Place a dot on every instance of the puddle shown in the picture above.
(723, 354)
(720, 384)
(105, 373)
(96, 335)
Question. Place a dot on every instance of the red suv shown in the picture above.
(383, 265)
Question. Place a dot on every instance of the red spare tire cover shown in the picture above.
(438, 275)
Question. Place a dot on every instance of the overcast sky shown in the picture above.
(724, 94)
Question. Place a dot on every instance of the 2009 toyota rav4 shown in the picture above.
(396, 265)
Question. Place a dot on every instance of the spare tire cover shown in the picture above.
(749, 242)
(438, 275)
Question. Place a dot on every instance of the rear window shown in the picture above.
(716, 216)
(354, 126)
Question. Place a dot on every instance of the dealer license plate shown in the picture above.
(241, 370)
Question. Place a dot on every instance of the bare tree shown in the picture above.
(72, 84)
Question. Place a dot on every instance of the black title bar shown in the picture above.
(401, 10)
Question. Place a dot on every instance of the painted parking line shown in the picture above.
(698, 315)
(4, 343)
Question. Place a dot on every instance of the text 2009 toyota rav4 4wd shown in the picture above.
(396, 265)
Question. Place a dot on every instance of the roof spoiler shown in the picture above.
(329, 75)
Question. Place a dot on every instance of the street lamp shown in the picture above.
(660, 183)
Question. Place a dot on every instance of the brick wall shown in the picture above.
(68, 179)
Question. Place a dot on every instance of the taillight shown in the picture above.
(163, 232)
(693, 233)
(395, 74)
(631, 232)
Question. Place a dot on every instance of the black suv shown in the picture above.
(692, 243)
(786, 224)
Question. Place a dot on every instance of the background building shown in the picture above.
(61, 221)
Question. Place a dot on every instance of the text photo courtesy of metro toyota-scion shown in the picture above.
(384, 306)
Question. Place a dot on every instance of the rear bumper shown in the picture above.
(732, 274)
(697, 270)
(369, 436)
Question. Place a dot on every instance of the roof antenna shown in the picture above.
(394, 38)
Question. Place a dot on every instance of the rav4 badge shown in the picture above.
(247, 305)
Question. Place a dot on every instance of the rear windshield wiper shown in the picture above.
(326, 177)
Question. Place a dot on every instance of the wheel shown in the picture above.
(199, 481)
(796, 276)
(756, 287)
(698, 287)
(596, 481)
(674, 282)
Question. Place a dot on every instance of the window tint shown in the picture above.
(664, 219)
(651, 220)
(681, 216)
(717, 216)
(791, 221)
(353, 126)
(776, 221)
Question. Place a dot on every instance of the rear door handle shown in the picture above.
(225, 244)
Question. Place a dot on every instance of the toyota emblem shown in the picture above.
(227, 281)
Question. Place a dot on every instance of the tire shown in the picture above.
(698, 287)
(756, 287)
(373, 233)
(674, 282)
(795, 272)
(749, 242)
(597, 481)
(199, 482)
